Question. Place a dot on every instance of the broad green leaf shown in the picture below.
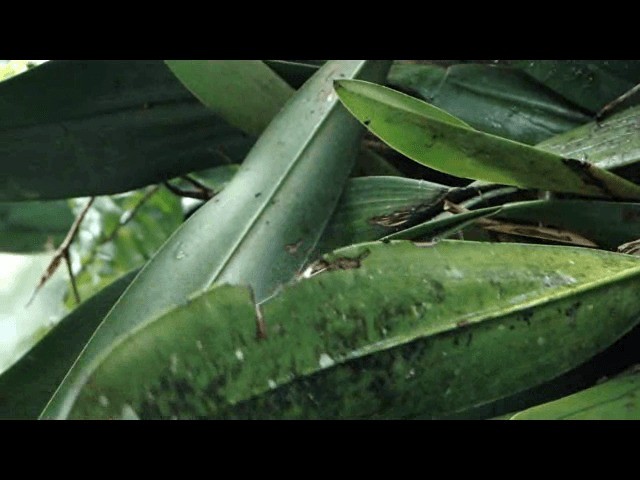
(611, 144)
(591, 84)
(28, 385)
(78, 128)
(259, 230)
(246, 93)
(495, 99)
(120, 234)
(430, 136)
(29, 227)
(372, 207)
(384, 331)
(615, 399)
(607, 224)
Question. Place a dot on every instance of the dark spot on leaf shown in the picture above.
(585, 171)
(367, 122)
(438, 290)
(571, 312)
(526, 315)
(257, 194)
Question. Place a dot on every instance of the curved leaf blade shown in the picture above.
(80, 128)
(372, 207)
(423, 133)
(246, 93)
(382, 334)
(259, 230)
(615, 399)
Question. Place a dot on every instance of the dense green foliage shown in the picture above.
(325, 239)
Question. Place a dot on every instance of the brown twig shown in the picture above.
(62, 253)
(131, 213)
(613, 104)
(202, 193)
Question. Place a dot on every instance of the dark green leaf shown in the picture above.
(591, 84)
(495, 99)
(77, 128)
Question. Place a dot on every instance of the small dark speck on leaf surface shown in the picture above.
(258, 194)
(293, 247)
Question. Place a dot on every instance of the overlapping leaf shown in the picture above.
(372, 207)
(590, 84)
(378, 332)
(246, 93)
(611, 144)
(246, 235)
(77, 128)
(615, 399)
(494, 99)
(433, 137)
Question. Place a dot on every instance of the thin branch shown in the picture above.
(67, 260)
(200, 186)
(205, 194)
(62, 253)
(131, 213)
(613, 104)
